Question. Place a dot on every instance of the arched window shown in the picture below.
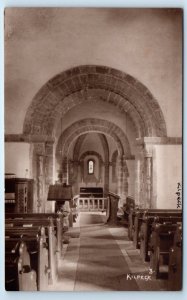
(90, 166)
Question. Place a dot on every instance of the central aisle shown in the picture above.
(101, 265)
(99, 257)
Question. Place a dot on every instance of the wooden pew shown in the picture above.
(146, 230)
(136, 228)
(131, 219)
(30, 215)
(175, 262)
(162, 239)
(19, 275)
(48, 242)
(55, 220)
(36, 242)
(138, 219)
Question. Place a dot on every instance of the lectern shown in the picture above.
(61, 193)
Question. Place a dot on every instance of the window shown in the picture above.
(90, 166)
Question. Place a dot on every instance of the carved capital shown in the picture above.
(39, 148)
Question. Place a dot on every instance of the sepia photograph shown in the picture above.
(93, 101)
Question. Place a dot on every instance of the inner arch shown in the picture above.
(92, 125)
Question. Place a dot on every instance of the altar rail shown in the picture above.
(89, 204)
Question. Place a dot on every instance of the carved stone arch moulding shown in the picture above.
(92, 125)
(94, 83)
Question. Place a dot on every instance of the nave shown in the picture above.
(100, 257)
(98, 128)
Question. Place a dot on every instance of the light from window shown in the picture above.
(90, 167)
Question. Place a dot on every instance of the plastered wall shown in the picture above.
(40, 43)
(168, 166)
(17, 159)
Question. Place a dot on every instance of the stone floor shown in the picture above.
(101, 258)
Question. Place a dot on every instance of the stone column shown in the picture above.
(82, 170)
(49, 173)
(75, 176)
(122, 180)
(75, 168)
(139, 180)
(40, 183)
(39, 176)
(49, 163)
(106, 178)
(120, 177)
(124, 191)
(145, 189)
(148, 185)
(65, 170)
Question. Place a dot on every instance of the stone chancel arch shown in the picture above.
(92, 125)
(97, 84)
(108, 84)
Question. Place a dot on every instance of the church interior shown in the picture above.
(93, 149)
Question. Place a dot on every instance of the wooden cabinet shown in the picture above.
(18, 195)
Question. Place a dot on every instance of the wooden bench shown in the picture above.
(138, 220)
(131, 218)
(29, 215)
(146, 230)
(55, 220)
(41, 243)
(19, 276)
(162, 239)
(134, 214)
(37, 246)
(175, 262)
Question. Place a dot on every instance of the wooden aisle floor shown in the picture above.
(101, 258)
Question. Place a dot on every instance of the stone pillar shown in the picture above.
(82, 170)
(120, 178)
(75, 169)
(49, 163)
(40, 183)
(49, 173)
(39, 176)
(139, 180)
(124, 191)
(144, 175)
(148, 185)
(75, 176)
(65, 170)
(106, 178)
(68, 171)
